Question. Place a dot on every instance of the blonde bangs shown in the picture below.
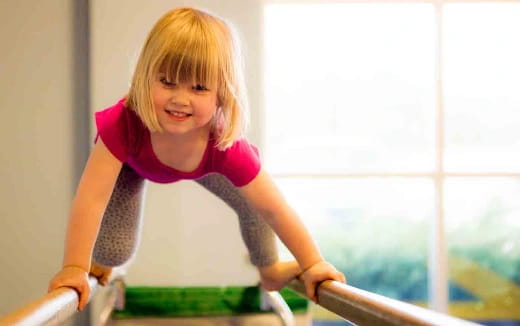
(188, 54)
(196, 66)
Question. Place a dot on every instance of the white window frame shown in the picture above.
(437, 255)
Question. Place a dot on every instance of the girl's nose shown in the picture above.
(180, 98)
(179, 102)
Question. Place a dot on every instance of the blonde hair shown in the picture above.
(191, 45)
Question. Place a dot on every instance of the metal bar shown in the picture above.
(306, 2)
(394, 175)
(274, 300)
(55, 307)
(366, 308)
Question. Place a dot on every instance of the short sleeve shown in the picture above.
(242, 163)
(111, 127)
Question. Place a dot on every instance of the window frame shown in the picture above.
(437, 252)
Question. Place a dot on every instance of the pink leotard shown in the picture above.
(128, 139)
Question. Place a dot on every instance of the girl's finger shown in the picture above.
(310, 288)
(338, 277)
(104, 280)
(83, 298)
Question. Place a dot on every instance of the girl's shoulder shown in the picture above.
(240, 162)
(111, 113)
(120, 128)
(241, 148)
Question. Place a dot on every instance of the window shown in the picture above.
(393, 129)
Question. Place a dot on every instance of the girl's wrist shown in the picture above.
(75, 266)
(308, 265)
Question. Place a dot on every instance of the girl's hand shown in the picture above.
(73, 277)
(276, 276)
(317, 273)
(102, 273)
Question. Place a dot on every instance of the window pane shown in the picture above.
(349, 87)
(483, 232)
(481, 79)
(374, 230)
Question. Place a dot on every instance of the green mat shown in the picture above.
(198, 301)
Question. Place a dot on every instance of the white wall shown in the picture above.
(38, 145)
(189, 236)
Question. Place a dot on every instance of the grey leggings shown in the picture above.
(119, 234)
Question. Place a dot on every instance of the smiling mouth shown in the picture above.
(178, 114)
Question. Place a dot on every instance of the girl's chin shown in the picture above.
(174, 131)
(182, 130)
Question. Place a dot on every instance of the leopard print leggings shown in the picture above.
(119, 234)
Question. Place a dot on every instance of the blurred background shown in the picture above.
(391, 127)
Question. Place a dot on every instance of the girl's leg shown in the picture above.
(256, 233)
(120, 229)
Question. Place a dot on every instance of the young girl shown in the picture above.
(182, 119)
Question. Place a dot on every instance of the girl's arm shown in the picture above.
(265, 197)
(92, 196)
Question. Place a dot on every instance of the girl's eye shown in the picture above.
(200, 87)
(165, 82)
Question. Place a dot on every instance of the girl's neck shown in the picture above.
(189, 139)
(183, 152)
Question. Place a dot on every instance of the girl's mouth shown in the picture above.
(178, 115)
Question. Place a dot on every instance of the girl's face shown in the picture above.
(183, 108)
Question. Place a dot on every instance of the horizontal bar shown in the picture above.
(274, 300)
(394, 175)
(53, 308)
(442, 2)
(367, 308)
